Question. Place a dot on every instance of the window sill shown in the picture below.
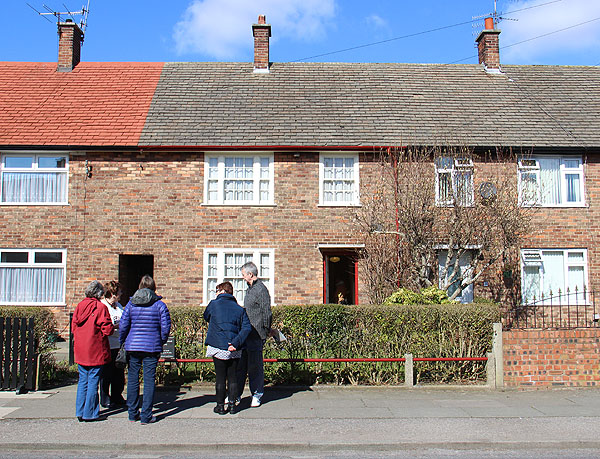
(210, 204)
(34, 204)
(32, 304)
(557, 206)
(339, 205)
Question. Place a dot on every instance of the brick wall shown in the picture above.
(152, 204)
(549, 358)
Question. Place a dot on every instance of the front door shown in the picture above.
(340, 278)
(131, 270)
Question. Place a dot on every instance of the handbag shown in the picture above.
(121, 358)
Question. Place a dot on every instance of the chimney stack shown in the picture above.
(488, 46)
(261, 32)
(70, 38)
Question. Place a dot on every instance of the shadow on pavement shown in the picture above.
(174, 402)
(272, 394)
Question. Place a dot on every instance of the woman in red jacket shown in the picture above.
(91, 327)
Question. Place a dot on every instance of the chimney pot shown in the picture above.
(261, 32)
(488, 47)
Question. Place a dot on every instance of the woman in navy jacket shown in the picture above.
(228, 327)
(144, 328)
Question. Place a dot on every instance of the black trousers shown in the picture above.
(226, 381)
(112, 381)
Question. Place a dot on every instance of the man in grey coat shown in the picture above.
(258, 307)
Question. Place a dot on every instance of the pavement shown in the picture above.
(320, 418)
(318, 421)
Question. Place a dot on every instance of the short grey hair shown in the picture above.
(250, 268)
(94, 290)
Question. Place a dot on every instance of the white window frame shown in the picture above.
(459, 164)
(256, 179)
(354, 181)
(531, 165)
(36, 155)
(218, 276)
(32, 264)
(535, 257)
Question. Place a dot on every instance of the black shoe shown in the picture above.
(80, 419)
(220, 409)
(232, 408)
(98, 419)
(152, 420)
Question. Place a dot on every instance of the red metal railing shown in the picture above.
(334, 360)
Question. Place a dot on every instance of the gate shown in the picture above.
(18, 356)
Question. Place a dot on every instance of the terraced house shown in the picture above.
(187, 170)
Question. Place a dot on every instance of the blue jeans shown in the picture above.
(86, 404)
(148, 360)
(251, 365)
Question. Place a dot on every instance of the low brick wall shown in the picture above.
(550, 358)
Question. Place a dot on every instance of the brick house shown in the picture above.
(187, 170)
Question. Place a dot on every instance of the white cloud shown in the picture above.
(376, 21)
(547, 19)
(222, 29)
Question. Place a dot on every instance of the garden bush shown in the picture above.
(340, 331)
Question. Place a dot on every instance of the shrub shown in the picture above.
(339, 331)
(429, 295)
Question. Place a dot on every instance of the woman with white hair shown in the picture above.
(91, 327)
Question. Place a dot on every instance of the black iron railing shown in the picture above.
(566, 310)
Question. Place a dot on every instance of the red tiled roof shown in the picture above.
(96, 104)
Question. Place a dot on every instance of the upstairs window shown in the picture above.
(32, 277)
(550, 272)
(551, 181)
(454, 181)
(338, 180)
(239, 180)
(222, 265)
(34, 179)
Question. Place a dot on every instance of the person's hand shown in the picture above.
(231, 348)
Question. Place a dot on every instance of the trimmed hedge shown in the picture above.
(339, 331)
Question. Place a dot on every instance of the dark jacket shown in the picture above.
(258, 307)
(91, 327)
(146, 323)
(227, 322)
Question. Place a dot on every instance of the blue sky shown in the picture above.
(220, 30)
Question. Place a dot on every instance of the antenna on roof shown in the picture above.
(84, 12)
(479, 25)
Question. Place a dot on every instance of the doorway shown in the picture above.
(131, 270)
(340, 284)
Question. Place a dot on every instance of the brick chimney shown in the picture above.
(488, 46)
(70, 38)
(261, 32)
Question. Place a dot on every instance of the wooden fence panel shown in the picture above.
(18, 357)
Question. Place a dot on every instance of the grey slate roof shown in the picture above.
(348, 104)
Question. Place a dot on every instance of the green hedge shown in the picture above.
(338, 331)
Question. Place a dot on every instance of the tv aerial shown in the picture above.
(83, 14)
(478, 25)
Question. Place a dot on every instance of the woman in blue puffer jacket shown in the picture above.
(144, 328)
